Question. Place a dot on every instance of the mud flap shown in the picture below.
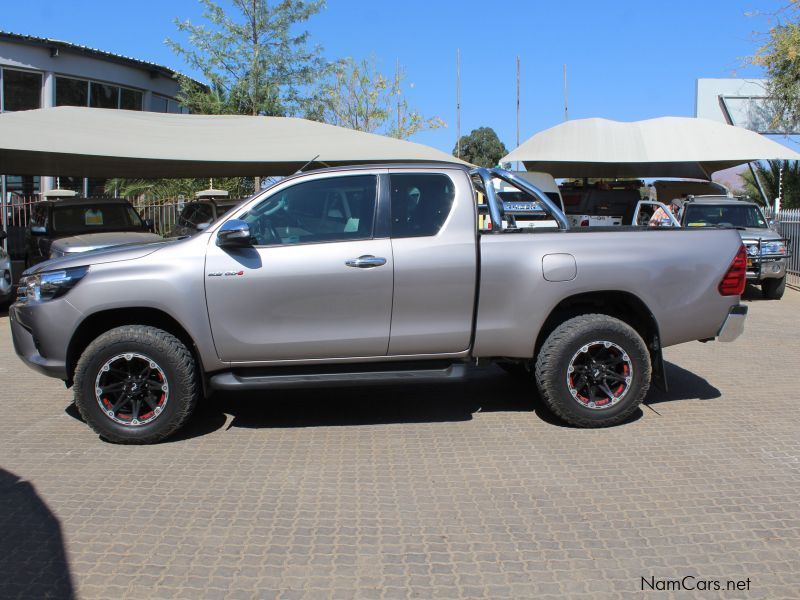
(659, 377)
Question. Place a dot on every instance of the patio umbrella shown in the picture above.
(96, 142)
(664, 147)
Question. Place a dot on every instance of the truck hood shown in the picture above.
(94, 241)
(751, 234)
(100, 256)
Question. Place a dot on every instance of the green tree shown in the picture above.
(780, 58)
(481, 147)
(356, 95)
(769, 173)
(252, 56)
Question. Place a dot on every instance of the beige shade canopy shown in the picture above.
(96, 142)
(663, 147)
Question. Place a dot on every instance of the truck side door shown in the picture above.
(316, 284)
(434, 243)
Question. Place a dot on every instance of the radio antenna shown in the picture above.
(300, 170)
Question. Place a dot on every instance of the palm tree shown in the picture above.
(778, 177)
(161, 189)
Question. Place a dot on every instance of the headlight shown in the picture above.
(752, 249)
(50, 284)
(773, 247)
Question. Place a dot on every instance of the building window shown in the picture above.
(166, 105)
(103, 96)
(71, 92)
(158, 103)
(22, 90)
(130, 100)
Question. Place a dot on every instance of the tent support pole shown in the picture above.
(729, 120)
(760, 187)
(4, 209)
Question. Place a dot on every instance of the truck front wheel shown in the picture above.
(773, 289)
(593, 371)
(136, 384)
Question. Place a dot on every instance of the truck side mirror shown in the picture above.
(149, 225)
(234, 234)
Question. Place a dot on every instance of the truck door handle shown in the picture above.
(366, 261)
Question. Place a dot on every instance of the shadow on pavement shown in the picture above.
(33, 561)
(683, 385)
(486, 389)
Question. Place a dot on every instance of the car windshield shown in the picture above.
(724, 215)
(89, 217)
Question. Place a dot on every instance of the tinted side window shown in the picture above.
(421, 203)
(323, 210)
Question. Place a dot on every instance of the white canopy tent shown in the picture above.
(664, 147)
(95, 142)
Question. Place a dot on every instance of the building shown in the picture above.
(40, 73)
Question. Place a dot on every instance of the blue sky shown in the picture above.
(626, 59)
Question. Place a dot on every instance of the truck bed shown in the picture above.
(674, 272)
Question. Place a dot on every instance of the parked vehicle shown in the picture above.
(67, 224)
(374, 275)
(767, 250)
(5, 273)
(601, 204)
(197, 215)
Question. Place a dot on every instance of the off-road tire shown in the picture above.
(553, 361)
(168, 352)
(773, 289)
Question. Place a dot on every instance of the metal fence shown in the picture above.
(163, 213)
(789, 227)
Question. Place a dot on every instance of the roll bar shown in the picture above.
(496, 205)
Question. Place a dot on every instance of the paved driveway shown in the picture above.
(467, 490)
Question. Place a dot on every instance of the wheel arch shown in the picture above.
(626, 307)
(99, 322)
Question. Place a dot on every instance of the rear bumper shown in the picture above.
(5, 281)
(733, 326)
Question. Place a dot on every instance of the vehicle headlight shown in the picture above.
(50, 284)
(773, 247)
(752, 249)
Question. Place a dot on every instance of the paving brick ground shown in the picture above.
(455, 491)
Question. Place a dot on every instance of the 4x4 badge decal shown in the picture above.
(227, 274)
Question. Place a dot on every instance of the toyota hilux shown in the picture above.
(375, 275)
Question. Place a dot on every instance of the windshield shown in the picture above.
(87, 218)
(724, 215)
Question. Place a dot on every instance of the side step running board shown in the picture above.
(241, 381)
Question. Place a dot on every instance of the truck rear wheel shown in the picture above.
(593, 371)
(773, 289)
(136, 385)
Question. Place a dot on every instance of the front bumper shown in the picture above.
(766, 268)
(733, 326)
(41, 333)
(27, 348)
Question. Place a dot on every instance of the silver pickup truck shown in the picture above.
(375, 275)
